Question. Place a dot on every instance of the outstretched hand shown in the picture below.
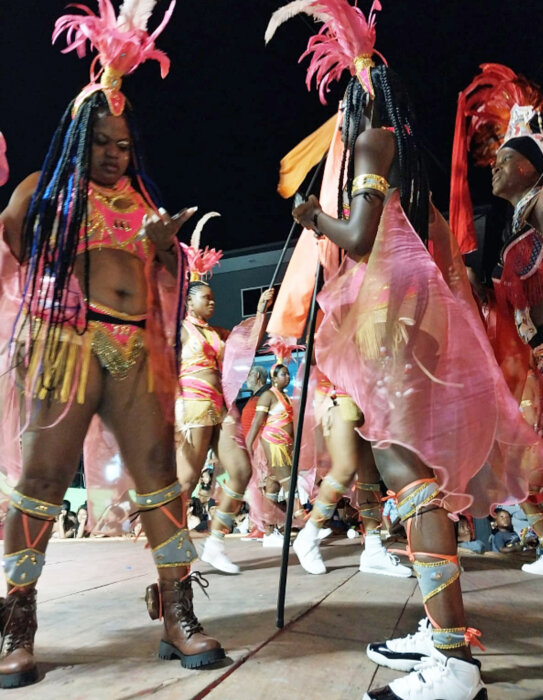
(161, 229)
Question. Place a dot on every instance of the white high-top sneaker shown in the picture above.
(376, 560)
(404, 653)
(213, 553)
(274, 539)
(437, 677)
(535, 567)
(306, 546)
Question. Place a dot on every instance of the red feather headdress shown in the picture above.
(346, 41)
(123, 43)
(482, 116)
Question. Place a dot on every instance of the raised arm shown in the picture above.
(374, 155)
(14, 214)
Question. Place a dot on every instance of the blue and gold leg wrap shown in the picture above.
(23, 568)
(230, 492)
(422, 495)
(370, 509)
(324, 510)
(274, 497)
(177, 550)
(226, 520)
(156, 499)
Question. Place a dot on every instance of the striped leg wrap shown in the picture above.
(426, 492)
(23, 568)
(274, 497)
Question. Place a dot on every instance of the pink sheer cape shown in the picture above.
(414, 355)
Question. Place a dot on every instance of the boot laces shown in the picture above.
(18, 623)
(183, 607)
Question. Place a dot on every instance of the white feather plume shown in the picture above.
(134, 14)
(283, 14)
(195, 238)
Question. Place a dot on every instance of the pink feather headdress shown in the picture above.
(482, 116)
(282, 347)
(346, 41)
(201, 261)
(123, 43)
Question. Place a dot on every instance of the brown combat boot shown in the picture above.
(184, 637)
(19, 625)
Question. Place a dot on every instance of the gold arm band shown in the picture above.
(370, 181)
(262, 409)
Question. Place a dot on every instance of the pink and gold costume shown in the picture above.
(273, 432)
(199, 402)
(117, 339)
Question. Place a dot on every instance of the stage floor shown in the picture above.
(96, 642)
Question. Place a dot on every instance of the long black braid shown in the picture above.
(393, 110)
(57, 214)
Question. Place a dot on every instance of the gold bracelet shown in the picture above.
(370, 181)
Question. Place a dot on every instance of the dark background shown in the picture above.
(216, 128)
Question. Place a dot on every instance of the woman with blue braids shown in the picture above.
(90, 339)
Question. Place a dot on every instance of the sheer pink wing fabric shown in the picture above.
(10, 296)
(239, 352)
(414, 355)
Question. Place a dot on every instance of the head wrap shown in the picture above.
(346, 41)
(122, 43)
(483, 112)
(528, 147)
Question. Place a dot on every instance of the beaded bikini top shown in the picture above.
(115, 218)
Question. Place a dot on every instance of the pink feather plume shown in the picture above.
(344, 36)
(283, 347)
(122, 44)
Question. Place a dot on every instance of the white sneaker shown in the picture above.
(381, 562)
(273, 540)
(213, 553)
(352, 534)
(306, 546)
(535, 568)
(324, 532)
(438, 676)
(404, 653)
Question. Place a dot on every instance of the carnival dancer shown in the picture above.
(517, 176)
(202, 419)
(399, 343)
(88, 338)
(273, 426)
(351, 456)
(497, 116)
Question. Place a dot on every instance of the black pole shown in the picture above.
(308, 191)
(312, 319)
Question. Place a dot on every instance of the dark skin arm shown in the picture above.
(14, 214)
(260, 418)
(374, 153)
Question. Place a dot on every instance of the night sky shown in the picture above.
(216, 128)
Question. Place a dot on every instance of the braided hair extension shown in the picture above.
(56, 215)
(393, 110)
(354, 103)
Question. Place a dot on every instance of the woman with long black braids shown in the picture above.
(395, 335)
(89, 339)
